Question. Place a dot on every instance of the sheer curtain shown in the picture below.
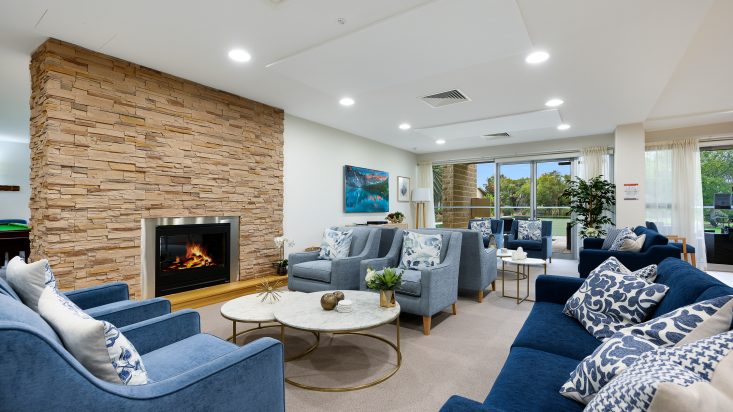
(593, 162)
(425, 180)
(674, 191)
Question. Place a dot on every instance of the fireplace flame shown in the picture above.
(196, 257)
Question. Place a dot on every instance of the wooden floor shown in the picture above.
(220, 293)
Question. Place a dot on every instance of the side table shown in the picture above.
(522, 273)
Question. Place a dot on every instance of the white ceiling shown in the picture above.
(613, 62)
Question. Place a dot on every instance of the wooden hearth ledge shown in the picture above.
(220, 293)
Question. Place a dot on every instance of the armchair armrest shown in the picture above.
(460, 404)
(593, 243)
(376, 264)
(556, 289)
(156, 333)
(131, 311)
(295, 258)
(99, 295)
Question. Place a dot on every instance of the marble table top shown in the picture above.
(525, 261)
(304, 312)
(501, 254)
(250, 308)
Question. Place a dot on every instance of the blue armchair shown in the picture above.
(190, 370)
(427, 291)
(497, 229)
(539, 249)
(654, 251)
(307, 273)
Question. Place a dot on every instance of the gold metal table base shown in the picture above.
(282, 337)
(395, 346)
(521, 274)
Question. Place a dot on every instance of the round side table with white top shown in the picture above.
(522, 273)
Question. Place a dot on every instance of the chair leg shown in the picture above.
(694, 261)
(550, 259)
(426, 325)
(493, 286)
(480, 296)
(455, 309)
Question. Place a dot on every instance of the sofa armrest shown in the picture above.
(131, 312)
(99, 295)
(156, 333)
(460, 404)
(593, 243)
(556, 289)
(295, 258)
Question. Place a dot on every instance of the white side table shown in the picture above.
(522, 272)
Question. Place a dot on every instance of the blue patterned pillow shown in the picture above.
(529, 230)
(420, 251)
(686, 324)
(614, 265)
(611, 234)
(483, 226)
(335, 244)
(624, 234)
(637, 388)
(610, 301)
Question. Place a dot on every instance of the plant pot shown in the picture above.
(386, 298)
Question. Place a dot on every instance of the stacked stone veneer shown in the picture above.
(459, 187)
(113, 142)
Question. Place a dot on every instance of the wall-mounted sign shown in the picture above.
(631, 191)
(6, 188)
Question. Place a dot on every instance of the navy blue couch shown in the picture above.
(656, 248)
(551, 344)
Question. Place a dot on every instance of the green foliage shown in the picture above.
(515, 193)
(389, 279)
(717, 173)
(589, 200)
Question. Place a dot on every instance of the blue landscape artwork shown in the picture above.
(365, 190)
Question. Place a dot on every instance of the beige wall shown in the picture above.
(629, 162)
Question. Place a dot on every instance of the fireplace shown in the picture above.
(181, 254)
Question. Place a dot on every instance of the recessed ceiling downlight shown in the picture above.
(346, 101)
(563, 126)
(537, 57)
(405, 126)
(440, 141)
(554, 102)
(239, 55)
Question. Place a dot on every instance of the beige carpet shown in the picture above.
(463, 355)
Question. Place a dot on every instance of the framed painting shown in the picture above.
(365, 190)
(403, 189)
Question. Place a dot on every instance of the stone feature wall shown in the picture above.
(113, 142)
(459, 187)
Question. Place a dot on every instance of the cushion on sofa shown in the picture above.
(199, 349)
(335, 244)
(29, 280)
(410, 283)
(420, 250)
(529, 230)
(611, 235)
(319, 270)
(687, 285)
(653, 238)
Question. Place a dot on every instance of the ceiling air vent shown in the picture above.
(494, 136)
(445, 98)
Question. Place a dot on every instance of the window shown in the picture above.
(716, 166)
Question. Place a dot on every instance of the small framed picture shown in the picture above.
(403, 189)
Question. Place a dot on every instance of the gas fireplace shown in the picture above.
(189, 253)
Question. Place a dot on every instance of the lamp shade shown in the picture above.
(422, 194)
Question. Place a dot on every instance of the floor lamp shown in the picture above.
(421, 196)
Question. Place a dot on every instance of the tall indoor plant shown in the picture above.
(589, 201)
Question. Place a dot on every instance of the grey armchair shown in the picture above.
(428, 291)
(307, 273)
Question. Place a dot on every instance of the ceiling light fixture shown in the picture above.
(405, 126)
(563, 126)
(346, 101)
(440, 141)
(537, 57)
(239, 55)
(554, 102)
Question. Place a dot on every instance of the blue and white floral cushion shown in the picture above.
(656, 381)
(483, 226)
(529, 230)
(614, 265)
(625, 233)
(420, 251)
(335, 244)
(679, 327)
(29, 279)
(610, 301)
(98, 345)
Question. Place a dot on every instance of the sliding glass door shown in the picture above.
(551, 181)
(515, 190)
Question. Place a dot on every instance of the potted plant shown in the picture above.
(590, 200)
(395, 217)
(282, 265)
(385, 282)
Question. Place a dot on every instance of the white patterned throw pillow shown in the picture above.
(529, 230)
(483, 226)
(420, 251)
(648, 273)
(610, 301)
(29, 279)
(686, 378)
(335, 244)
(98, 345)
(624, 234)
(676, 328)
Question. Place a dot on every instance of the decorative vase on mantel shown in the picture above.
(386, 298)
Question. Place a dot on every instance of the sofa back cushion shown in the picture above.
(653, 238)
(13, 310)
(359, 237)
(687, 285)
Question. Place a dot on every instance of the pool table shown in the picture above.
(13, 240)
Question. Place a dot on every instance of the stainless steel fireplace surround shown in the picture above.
(149, 239)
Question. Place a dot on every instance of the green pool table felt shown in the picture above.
(6, 227)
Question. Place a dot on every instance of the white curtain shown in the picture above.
(674, 192)
(593, 162)
(425, 180)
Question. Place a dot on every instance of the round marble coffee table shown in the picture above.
(522, 273)
(304, 312)
(253, 309)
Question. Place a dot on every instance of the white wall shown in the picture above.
(315, 156)
(629, 167)
(15, 169)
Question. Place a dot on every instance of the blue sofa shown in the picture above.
(551, 344)
(190, 370)
(656, 248)
(497, 229)
(539, 249)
